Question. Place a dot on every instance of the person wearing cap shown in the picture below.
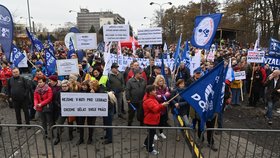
(53, 83)
(135, 90)
(116, 84)
(131, 74)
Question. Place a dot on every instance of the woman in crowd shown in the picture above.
(152, 114)
(42, 103)
(97, 75)
(163, 95)
(179, 106)
(81, 119)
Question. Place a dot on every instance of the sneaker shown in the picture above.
(162, 136)
(155, 137)
(269, 122)
(154, 152)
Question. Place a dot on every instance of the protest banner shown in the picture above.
(67, 67)
(86, 41)
(124, 62)
(273, 62)
(255, 56)
(240, 75)
(84, 104)
(115, 33)
(150, 36)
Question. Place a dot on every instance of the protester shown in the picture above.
(131, 74)
(236, 89)
(42, 103)
(116, 84)
(273, 94)
(5, 75)
(256, 85)
(17, 91)
(135, 90)
(163, 94)
(182, 72)
(56, 88)
(98, 75)
(152, 109)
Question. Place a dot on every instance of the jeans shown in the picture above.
(235, 95)
(107, 121)
(270, 106)
(220, 119)
(119, 97)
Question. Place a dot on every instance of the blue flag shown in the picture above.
(186, 55)
(51, 47)
(177, 53)
(35, 42)
(71, 49)
(206, 95)
(50, 63)
(17, 55)
(101, 47)
(6, 31)
(205, 28)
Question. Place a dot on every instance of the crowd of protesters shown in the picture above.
(144, 90)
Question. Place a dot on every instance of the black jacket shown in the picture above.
(18, 88)
(272, 94)
(135, 90)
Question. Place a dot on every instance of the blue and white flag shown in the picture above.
(6, 31)
(205, 28)
(50, 63)
(71, 49)
(101, 47)
(177, 53)
(274, 47)
(51, 46)
(230, 72)
(35, 42)
(17, 55)
(186, 55)
(206, 95)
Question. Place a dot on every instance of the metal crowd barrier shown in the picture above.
(243, 143)
(28, 141)
(127, 143)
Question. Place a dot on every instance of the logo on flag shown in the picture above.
(50, 63)
(5, 32)
(206, 95)
(205, 30)
(17, 55)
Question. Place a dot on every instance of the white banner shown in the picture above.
(195, 61)
(240, 75)
(124, 62)
(115, 33)
(84, 104)
(67, 67)
(255, 56)
(211, 56)
(86, 41)
(150, 36)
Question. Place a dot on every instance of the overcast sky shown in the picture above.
(56, 12)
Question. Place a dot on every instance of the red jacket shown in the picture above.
(43, 100)
(152, 110)
(131, 74)
(5, 74)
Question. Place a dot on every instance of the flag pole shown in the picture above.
(252, 78)
(173, 98)
(241, 90)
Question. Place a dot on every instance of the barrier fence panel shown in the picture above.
(235, 143)
(128, 142)
(22, 141)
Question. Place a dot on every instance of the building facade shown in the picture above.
(86, 19)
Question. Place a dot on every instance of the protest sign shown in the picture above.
(115, 33)
(86, 41)
(255, 56)
(67, 67)
(84, 104)
(240, 75)
(150, 36)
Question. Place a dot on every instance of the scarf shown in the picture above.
(42, 90)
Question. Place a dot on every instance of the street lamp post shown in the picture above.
(161, 10)
(29, 17)
(26, 21)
